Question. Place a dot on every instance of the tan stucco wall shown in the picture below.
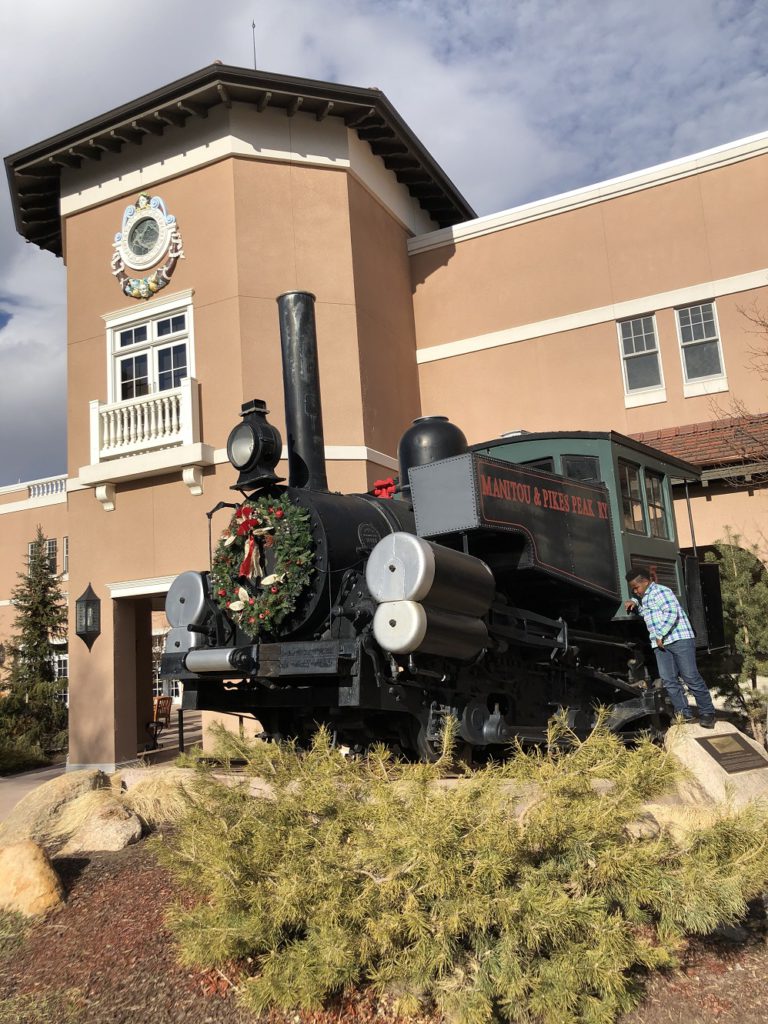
(386, 330)
(18, 529)
(672, 236)
(719, 509)
(203, 203)
(251, 230)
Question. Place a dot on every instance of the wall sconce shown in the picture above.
(88, 616)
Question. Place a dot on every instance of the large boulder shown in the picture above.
(32, 816)
(724, 766)
(28, 883)
(101, 824)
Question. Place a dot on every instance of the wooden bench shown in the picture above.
(161, 710)
(161, 719)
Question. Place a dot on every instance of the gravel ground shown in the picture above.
(107, 958)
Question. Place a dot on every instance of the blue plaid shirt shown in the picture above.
(664, 615)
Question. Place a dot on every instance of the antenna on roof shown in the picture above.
(253, 32)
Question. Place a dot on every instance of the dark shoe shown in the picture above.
(707, 721)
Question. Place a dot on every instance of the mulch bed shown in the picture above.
(109, 950)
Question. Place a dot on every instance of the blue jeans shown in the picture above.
(679, 659)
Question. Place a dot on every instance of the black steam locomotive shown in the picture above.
(488, 586)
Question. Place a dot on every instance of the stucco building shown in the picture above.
(183, 214)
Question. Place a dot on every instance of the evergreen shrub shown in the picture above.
(516, 893)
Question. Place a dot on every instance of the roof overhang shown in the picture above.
(34, 173)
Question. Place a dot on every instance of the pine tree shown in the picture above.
(519, 893)
(41, 617)
(744, 584)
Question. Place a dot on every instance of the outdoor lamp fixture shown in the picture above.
(88, 616)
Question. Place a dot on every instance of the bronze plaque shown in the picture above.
(733, 753)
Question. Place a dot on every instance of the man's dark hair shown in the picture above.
(637, 574)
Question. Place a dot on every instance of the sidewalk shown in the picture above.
(15, 787)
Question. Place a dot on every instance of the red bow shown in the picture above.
(384, 488)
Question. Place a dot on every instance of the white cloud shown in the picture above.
(515, 101)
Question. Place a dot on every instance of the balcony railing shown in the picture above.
(47, 488)
(145, 424)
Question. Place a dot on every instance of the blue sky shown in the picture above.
(515, 100)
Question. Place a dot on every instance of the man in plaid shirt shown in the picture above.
(672, 639)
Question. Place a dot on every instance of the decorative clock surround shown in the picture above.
(148, 234)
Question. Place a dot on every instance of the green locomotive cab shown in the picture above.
(638, 480)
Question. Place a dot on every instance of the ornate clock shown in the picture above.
(148, 235)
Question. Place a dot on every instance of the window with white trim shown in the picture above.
(162, 687)
(65, 555)
(699, 342)
(60, 662)
(150, 354)
(50, 552)
(640, 360)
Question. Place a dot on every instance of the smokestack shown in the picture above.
(301, 383)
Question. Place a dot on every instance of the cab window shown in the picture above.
(548, 464)
(581, 467)
(657, 513)
(633, 516)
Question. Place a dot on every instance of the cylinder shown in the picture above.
(404, 627)
(301, 386)
(403, 567)
(185, 601)
(211, 660)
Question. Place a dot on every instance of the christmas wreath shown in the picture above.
(267, 530)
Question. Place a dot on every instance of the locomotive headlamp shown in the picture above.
(254, 448)
(240, 446)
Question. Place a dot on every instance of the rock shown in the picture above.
(32, 816)
(28, 883)
(681, 819)
(724, 765)
(167, 774)
(108, 826)
(159, 795)
(645, 826)
(602, 787)
(523, 797)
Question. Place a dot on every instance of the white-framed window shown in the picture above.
(150, 350)
(50, 552)
(641, 361)
(700, 349)
(60, 660)
(64, 555)
(162, 687)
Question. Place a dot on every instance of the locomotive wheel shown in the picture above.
(429, 751)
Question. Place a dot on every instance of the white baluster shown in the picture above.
(175, 411)
(153, 421)
(141, 423)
